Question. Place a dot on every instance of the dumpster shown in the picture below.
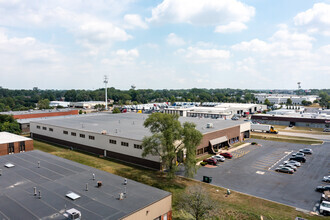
(207, 179)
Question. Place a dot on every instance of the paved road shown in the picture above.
(317, 136)
(252, 172)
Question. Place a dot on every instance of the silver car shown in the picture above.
(289, 166)
(295, 163)
(219, 158)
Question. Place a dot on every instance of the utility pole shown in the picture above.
(106, 91)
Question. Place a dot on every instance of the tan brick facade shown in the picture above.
(4, 147)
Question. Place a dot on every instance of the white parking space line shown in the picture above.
(287, 153)
(260, 172)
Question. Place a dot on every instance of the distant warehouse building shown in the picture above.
(120, 136)
(36, 185)
(299, 120)
(282, 98)
(12, 143)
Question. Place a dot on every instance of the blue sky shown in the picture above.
(165, 44)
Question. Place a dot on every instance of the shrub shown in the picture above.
(254, 143)
(203, 163)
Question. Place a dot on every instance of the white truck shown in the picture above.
(263, 128)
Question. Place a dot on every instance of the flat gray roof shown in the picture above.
(55, 178)
(129, 125)
(36, 111)
(6, 137)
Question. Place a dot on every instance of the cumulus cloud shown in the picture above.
(174, 40)
(122, 57)
(134, 21)
(316, 19)
(198, 55)
(206, 12)
(231, 27)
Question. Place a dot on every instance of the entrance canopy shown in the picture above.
(218, 140)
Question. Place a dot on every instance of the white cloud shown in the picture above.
(133, 21)
(231, 27)
(197, 55)
(316, 19)
(174, 40)
(205, 12)
(122, 57)
(254, 45)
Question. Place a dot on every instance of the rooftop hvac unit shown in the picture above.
(209, 125)
(72, 214)
(104, 132)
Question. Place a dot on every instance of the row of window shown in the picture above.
(111, 141)
(11, 148)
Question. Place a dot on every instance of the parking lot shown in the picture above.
(252, 171)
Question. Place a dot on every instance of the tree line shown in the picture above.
(26, 99)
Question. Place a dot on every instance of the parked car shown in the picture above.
(325, 196)
(326, 130)
(326, 179)
(290, 166)
(211, 161)
(226, 155)
(295, 163)
(234, 118)
(298, 154)
(322, 188)
(284, 170)
(299, 159)
(219, 158)
(306, 151)
(325, 208)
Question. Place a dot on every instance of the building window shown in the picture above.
(38, 126)
(91, 137)
(11, 148)
(73, 134)
(50, 129)
(22, 146)
(137, 146)
(44, 128)
(124, 144)
(82, 135)
(112, 141)
(65, 132)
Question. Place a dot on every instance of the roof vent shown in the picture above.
(209, 125)
(72, 195)
(9, 165)
(104, 132)
(72, 214)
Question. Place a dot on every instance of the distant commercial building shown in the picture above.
(216, 110)
(59, 103)
(12, 144)
(282, 98)
(120, 136)
(24, 117)
(37, 185)
(86, 105)
(294, 119)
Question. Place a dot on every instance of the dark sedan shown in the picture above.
(299, 159)
(211, 161)
(322, 188)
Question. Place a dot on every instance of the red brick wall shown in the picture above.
(46, 114)
(4, 147)
(229, 132)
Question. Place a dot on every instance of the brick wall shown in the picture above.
(46, 114)
(4, 147)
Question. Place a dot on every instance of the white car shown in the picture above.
(219, 158)
(325, 208)
(295, 163)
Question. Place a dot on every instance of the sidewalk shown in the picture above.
(236, 148)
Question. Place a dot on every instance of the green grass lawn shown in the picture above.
(235, 206)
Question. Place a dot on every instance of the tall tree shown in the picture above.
(289, 101)
(191, 139)
(43, 104)
(168, 138)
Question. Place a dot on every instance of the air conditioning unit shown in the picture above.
(104, 132)
(209, 125)
(72, 214)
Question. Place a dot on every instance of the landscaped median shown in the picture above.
(284, 138)
(235, 206)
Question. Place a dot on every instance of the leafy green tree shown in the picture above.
(267, 102)
(192, 138)
(116, 111)
(9, 124)
(289, 101)
(168, 138)
(197, 202)
(43, 104)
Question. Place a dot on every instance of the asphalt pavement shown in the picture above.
(252, 172)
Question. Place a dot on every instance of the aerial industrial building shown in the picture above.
(120, 136)
(37, 185)
(12, 143)
(282, 98)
